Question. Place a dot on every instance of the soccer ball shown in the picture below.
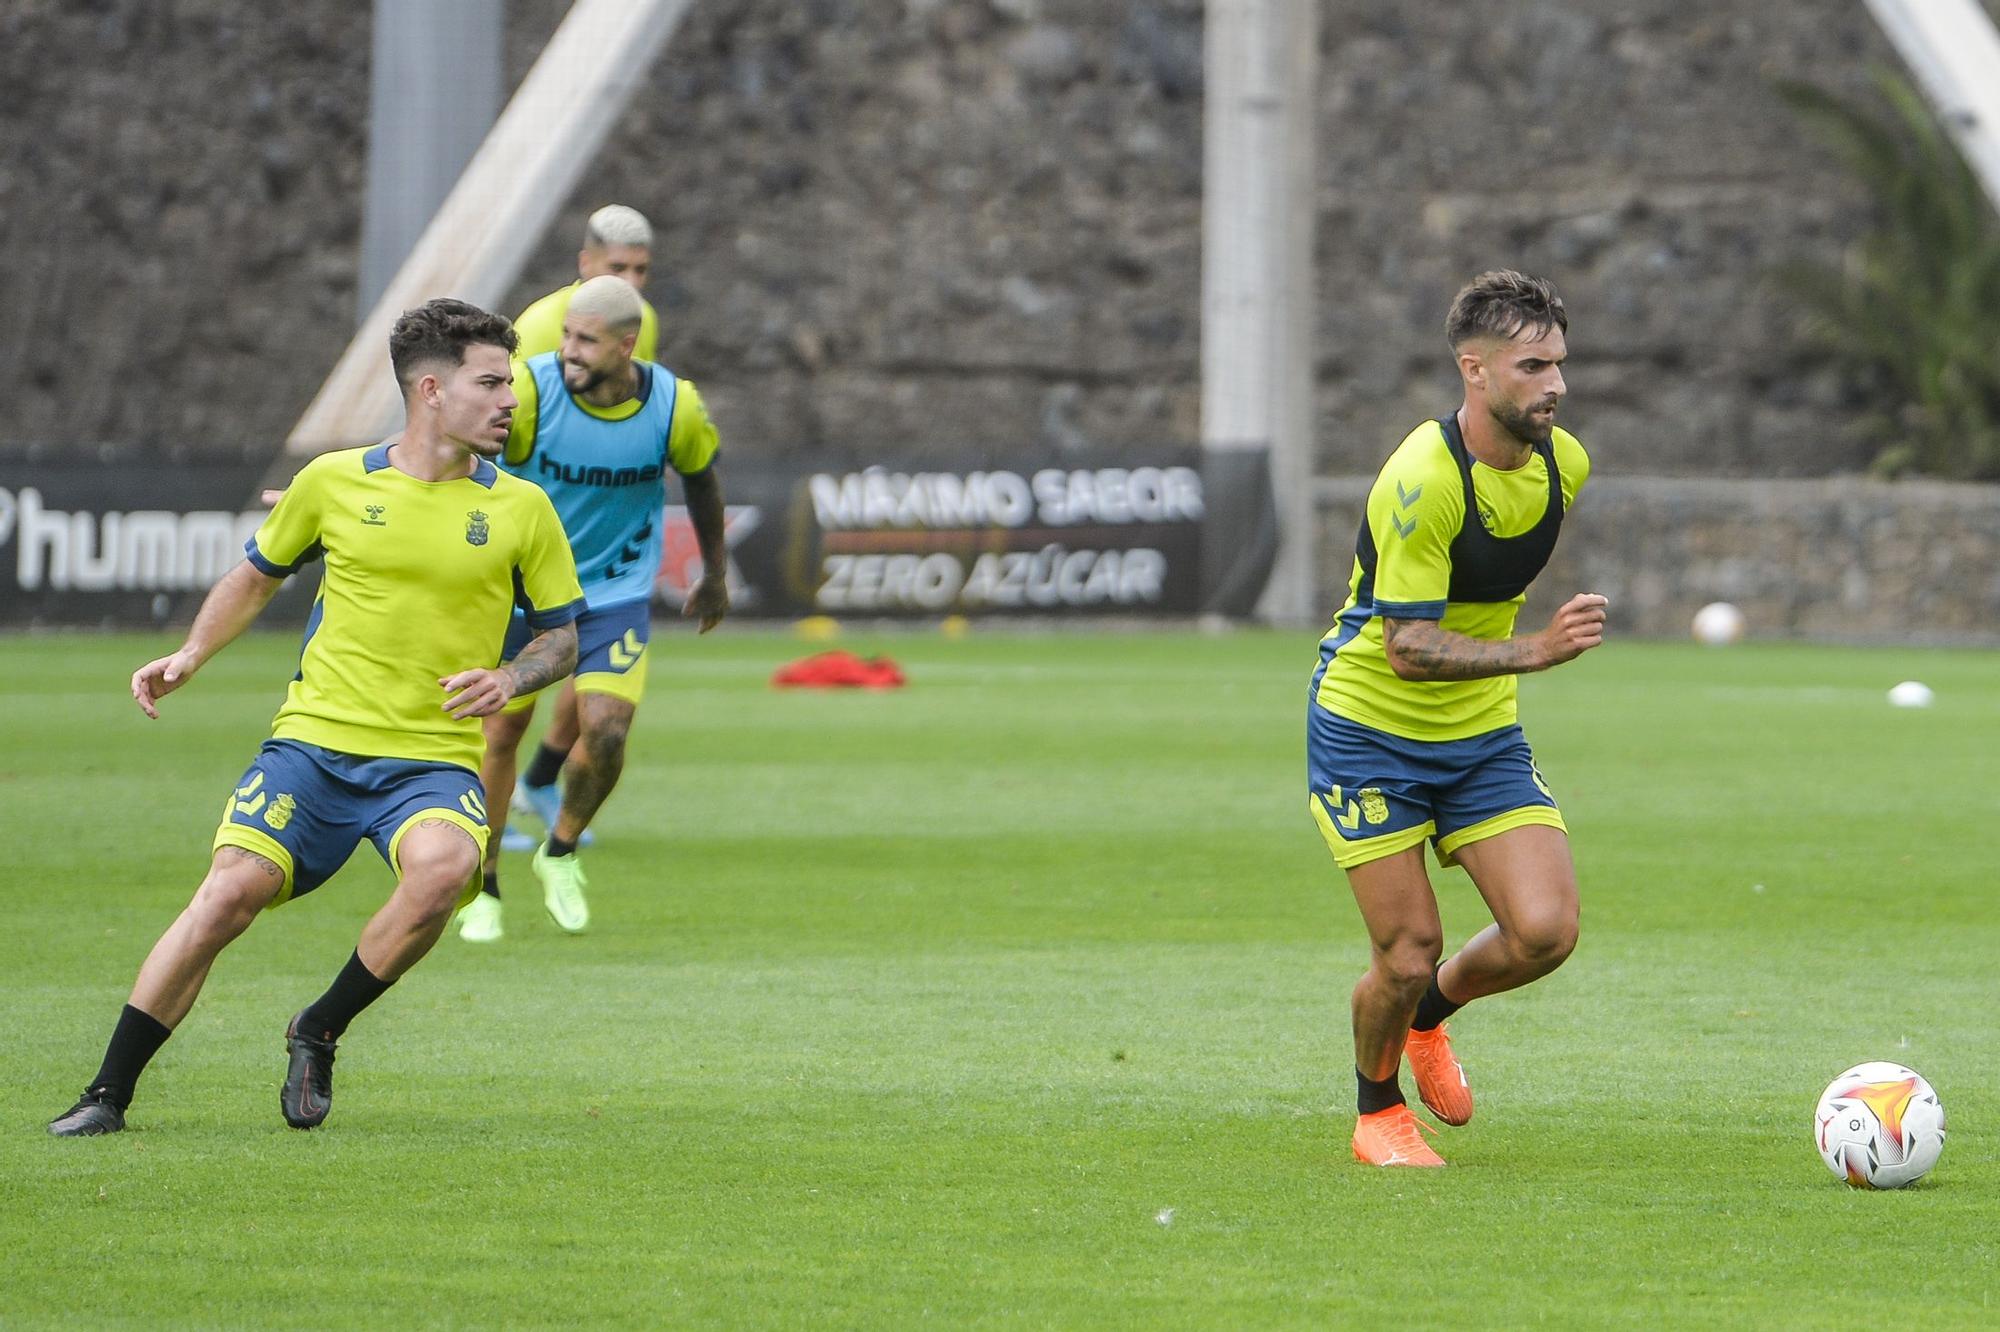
(1879, 1126)
(1911, 694)
(1718, 624)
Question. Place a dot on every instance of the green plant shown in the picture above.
(1915, 307)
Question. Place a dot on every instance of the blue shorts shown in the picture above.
(1374, 794)
(610, 651)
(307, 808)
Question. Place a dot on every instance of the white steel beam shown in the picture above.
(1953, 49)
(475, 246)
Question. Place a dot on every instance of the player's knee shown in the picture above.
(605, 744)
(505, 729)
(1547, 941)
(225, 905)
(1409, 963)
(435, 871)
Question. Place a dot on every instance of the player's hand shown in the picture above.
(156, 679)
(1576, 628)
(271, 497)
(709, 601)
(477, 693)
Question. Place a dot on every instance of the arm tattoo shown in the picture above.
(548, 658)
(1425, 650)
(703, 493)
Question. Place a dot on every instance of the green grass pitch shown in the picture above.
(1019, 998)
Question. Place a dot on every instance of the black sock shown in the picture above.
(1371, 1095)
(134, 1041)
(491, 884)
(352, 990)
(1433, 1008)
(545, 767)
(558, 847)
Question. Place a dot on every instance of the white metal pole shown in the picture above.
(422, 129)
(1259, 291)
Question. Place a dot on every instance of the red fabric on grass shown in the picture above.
(839, 670)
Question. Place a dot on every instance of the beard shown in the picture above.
(591, 378)
(1522, 424)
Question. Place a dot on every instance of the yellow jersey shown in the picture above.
(421, 579)
(1403, 570)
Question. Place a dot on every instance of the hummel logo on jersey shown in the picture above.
(582, 474)
(373, 516)
(626, 651)
(1404, 500)
(475, 528)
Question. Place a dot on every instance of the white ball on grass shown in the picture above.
(1718, 624)
(1911, 694)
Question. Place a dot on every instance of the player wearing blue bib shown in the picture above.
(1411, 733)
(426, 546)
(617, 241)
(599, 431)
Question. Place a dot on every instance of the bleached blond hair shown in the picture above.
(615, 224)
(611, 298)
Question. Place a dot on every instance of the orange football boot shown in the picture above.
(1440, 1077)
(1393, 1137)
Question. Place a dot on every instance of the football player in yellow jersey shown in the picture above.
(427, 546)
(617, 241)
(1411, 732)
(600, 431)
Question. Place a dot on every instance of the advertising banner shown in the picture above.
(1140, 532)
(121, 544)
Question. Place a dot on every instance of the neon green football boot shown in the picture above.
(562, 889)
(479, 922)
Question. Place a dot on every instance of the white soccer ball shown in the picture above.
(1879, 1126)
(1911, 694)
(1718, 624)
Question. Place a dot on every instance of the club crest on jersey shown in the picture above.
(475, 528)
(1486, 519)
(372, 515)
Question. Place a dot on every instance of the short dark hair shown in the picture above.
(1504, 304)
(441, 330)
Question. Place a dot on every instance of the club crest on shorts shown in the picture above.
(280, 812)
(1374, 807)
(475, 528)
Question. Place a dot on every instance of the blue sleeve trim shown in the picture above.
(270, 568)
(556, 617)
(1410, 610)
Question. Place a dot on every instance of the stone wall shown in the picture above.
(1837, 558)
(907, 224)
